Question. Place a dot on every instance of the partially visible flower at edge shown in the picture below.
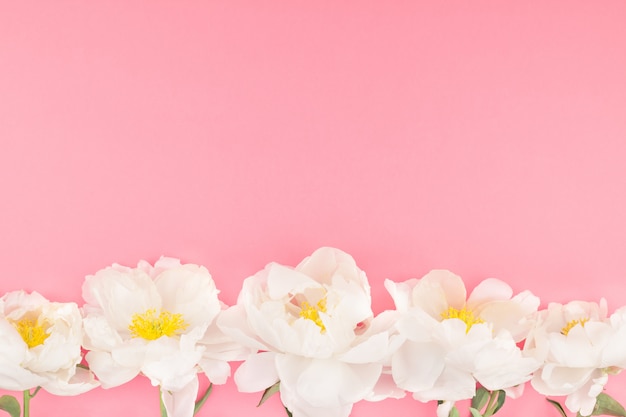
(158, 321)
(580, 347)
(41, 345)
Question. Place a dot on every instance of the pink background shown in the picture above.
(485, 137)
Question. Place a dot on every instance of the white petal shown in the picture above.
(326, 263)
(283, 281)
(583, 400)
(416, 325)
(219, 346)
(575, 349)
(305, 338)
(81, 382)
(121, 295)
(182, 402)
(506, 315)
(61, 349)
(443, 409)
(99, 334)
(257, 373)
(385, 388)
(400, 293)
(500, 365)
(614, 353)
(233, 322)
(528, 301)
(373, 349)
(189, 290)
(487, 291)
(110, 373)
(15, 378)
(300, 408)
(452, 385)
(269, 328)
(216, 371)
(349, 302)
(163, 264)
(559, 380)
(417, 366)
(132, 354)
(327, 382)
(438, 290)
(170, 366)
(13, 349)
(452, 334)
(17, 303)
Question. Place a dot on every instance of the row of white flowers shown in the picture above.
(309, 332)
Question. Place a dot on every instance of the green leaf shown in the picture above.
(558, 406)
(454, 412)
(9, 404)
(480, 399)
(607, 406)
(475, 412)
(288, 412)
(501, 399)
(202, 400)
(269, 392)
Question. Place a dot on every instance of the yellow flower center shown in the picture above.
(465, 315)
(33, 333)
(313, 312)
(570, 325)
(149, 326)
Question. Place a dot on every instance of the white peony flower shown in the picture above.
(580, 346)
(41, 345)
(158, 321)
(314, 328)
(451, 342)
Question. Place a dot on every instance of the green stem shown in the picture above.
(493, 396)
(163, 410)
(202, 400)
(27, 398)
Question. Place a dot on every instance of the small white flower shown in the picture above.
(41, 345)
(158, 321)
(314, 327)
(580, 346)
(451, 342)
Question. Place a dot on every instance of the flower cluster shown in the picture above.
(309, 333)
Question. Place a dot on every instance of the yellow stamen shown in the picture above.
(571, 324)
(149, 326)
(465, 315)
(33, 334)
(313, 312)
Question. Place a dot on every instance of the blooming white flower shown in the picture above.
(450, 342)
(41, 345)
(158, 321)
(315, 331)
(580, 347)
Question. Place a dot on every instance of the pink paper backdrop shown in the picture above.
(485, 137)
